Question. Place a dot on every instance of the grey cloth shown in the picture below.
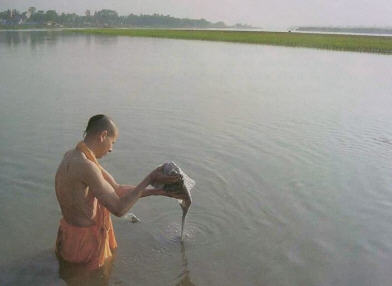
(184, 186)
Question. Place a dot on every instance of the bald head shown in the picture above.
(99, 123)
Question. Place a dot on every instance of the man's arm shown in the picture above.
(109, 178)
(106, 194)
(122, 190)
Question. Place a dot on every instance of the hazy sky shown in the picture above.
(262, 13)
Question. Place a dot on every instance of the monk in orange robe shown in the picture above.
(87, 194)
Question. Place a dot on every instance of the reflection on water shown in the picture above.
(45, 268)
(40, 269)
(78, 274)
(35, 39)
(185, 275)
(32, 39)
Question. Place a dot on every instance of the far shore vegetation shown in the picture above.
(351, 30)
(108, 22)
(371, 44)
(33, 18)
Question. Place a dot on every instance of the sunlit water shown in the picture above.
(290, 148)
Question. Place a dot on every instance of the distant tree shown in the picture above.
(4, 15)
(219, 25)
(242, 26)
(103, 17)
(38, 17)
(51, 15)
(32, 10)
(106, 16)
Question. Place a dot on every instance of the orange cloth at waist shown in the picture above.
(90, 245)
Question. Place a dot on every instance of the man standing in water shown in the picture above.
(87, 194)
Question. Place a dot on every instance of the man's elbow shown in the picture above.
(116, 209)
(120, 207)
(119, 212)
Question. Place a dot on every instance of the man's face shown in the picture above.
(106, 144)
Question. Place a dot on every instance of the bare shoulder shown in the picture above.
(83, 165)
(75, 165)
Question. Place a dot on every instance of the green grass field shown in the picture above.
(370, 44)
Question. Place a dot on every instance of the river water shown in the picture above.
(290, 148)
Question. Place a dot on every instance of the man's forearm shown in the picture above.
(122, 190)
(152, 192)
(131, 194)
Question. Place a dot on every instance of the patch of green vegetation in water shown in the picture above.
(372, 44)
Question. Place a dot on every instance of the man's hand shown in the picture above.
(162, 192)
(157, 177)
(179, 196)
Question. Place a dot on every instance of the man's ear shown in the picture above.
(103, 135)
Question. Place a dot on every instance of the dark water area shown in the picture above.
(290, 149)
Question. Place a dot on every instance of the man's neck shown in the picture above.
(90, 143)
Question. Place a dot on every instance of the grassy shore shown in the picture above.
(372, 44)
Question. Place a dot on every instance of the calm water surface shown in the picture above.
(291, 150)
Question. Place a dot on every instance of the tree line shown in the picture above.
(102, 18)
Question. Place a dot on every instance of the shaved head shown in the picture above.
(99, 123)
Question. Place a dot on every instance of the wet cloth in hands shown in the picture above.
(184, 186)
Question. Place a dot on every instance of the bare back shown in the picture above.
(77, 203)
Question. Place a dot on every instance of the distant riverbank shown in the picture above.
(347, 30)
(371, 44)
